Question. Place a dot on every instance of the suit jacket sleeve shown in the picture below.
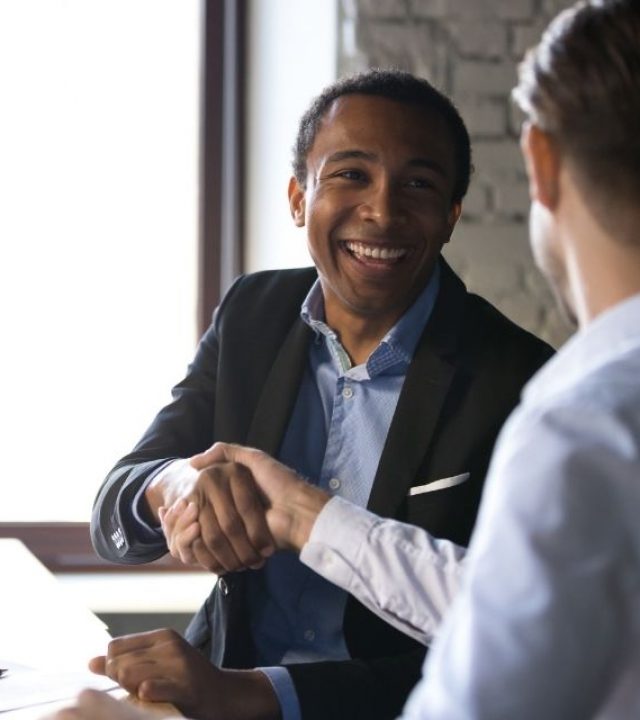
(181, 429)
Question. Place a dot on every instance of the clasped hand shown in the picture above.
(232, 507)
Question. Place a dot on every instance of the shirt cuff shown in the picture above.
(285, 691)
(144, 530)
(341, 526)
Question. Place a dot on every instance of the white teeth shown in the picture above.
(376, 252)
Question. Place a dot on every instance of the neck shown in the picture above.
(359, 335)
(602, 265)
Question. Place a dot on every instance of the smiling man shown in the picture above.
(375, 374)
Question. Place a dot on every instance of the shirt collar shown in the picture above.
(401, 339)
(605, 339)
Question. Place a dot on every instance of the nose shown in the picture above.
(381, 204)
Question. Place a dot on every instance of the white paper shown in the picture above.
(42, 625)
(24, 686)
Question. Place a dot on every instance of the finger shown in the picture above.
(223, 530)
(231, 452)
(170, 517)
(182, 529)
(218, 555)
(136, 642)
(97, 665)
(251, 509)
(66, 714)
(186, 530)
(159, 690)
(95, 705)
(214, 454)
(183, 544)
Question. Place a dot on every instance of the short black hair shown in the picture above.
(397, 85)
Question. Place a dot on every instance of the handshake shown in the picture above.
(230, 507)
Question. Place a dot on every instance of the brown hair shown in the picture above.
(581, 85)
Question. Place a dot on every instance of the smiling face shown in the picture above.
(377, 205)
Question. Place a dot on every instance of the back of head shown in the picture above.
(396, 85)
(581, 85)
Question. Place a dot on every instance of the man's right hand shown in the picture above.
(292, 503)
(212, 514)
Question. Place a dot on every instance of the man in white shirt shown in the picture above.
(546, 617)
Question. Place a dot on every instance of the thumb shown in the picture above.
(215, 454)
(228, 452)
(98, 665)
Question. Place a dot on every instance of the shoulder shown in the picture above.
(482, 330)
(292, 281)
(575, 455)
(266, 296)
(490, 329)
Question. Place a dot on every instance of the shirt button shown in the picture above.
(309, 635)
(334, 483)
(347, 393)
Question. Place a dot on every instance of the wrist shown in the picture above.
(304, 506)
(163, 490)
(254, 694)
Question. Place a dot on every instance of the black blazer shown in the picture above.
(465, 378)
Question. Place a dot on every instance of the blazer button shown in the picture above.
(224, 588)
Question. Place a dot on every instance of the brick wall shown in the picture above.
(470, 50)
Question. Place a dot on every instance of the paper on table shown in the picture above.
(25, 687)
(42, 625)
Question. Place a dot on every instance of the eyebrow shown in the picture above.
(418, 162)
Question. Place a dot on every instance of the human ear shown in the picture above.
(453, 217)
(297, 202)
(543, 165)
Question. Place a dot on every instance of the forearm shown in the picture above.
(398, 571)
(117, 532)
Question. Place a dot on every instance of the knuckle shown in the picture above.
(126, 677)
(232, 525)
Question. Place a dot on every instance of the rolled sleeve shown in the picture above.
(398, 571)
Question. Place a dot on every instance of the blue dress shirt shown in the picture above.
(335, 437)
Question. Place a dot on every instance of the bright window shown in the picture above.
(98, 236)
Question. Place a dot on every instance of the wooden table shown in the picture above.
(42, 625)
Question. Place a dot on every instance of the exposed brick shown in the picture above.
(483, 78)
(512, 199)
(553, 7)
(525, 37)
(411, 46)
(484, 118)
(498, 160)
(474, 204)
(489, 9)
(514, 9)
(430, 8)
(518, 307)
(490, 256)
(479, 39)
(388, 9)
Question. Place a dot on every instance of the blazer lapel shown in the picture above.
(422, 398)
(280, 390)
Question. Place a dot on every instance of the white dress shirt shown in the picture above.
(547, 621)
